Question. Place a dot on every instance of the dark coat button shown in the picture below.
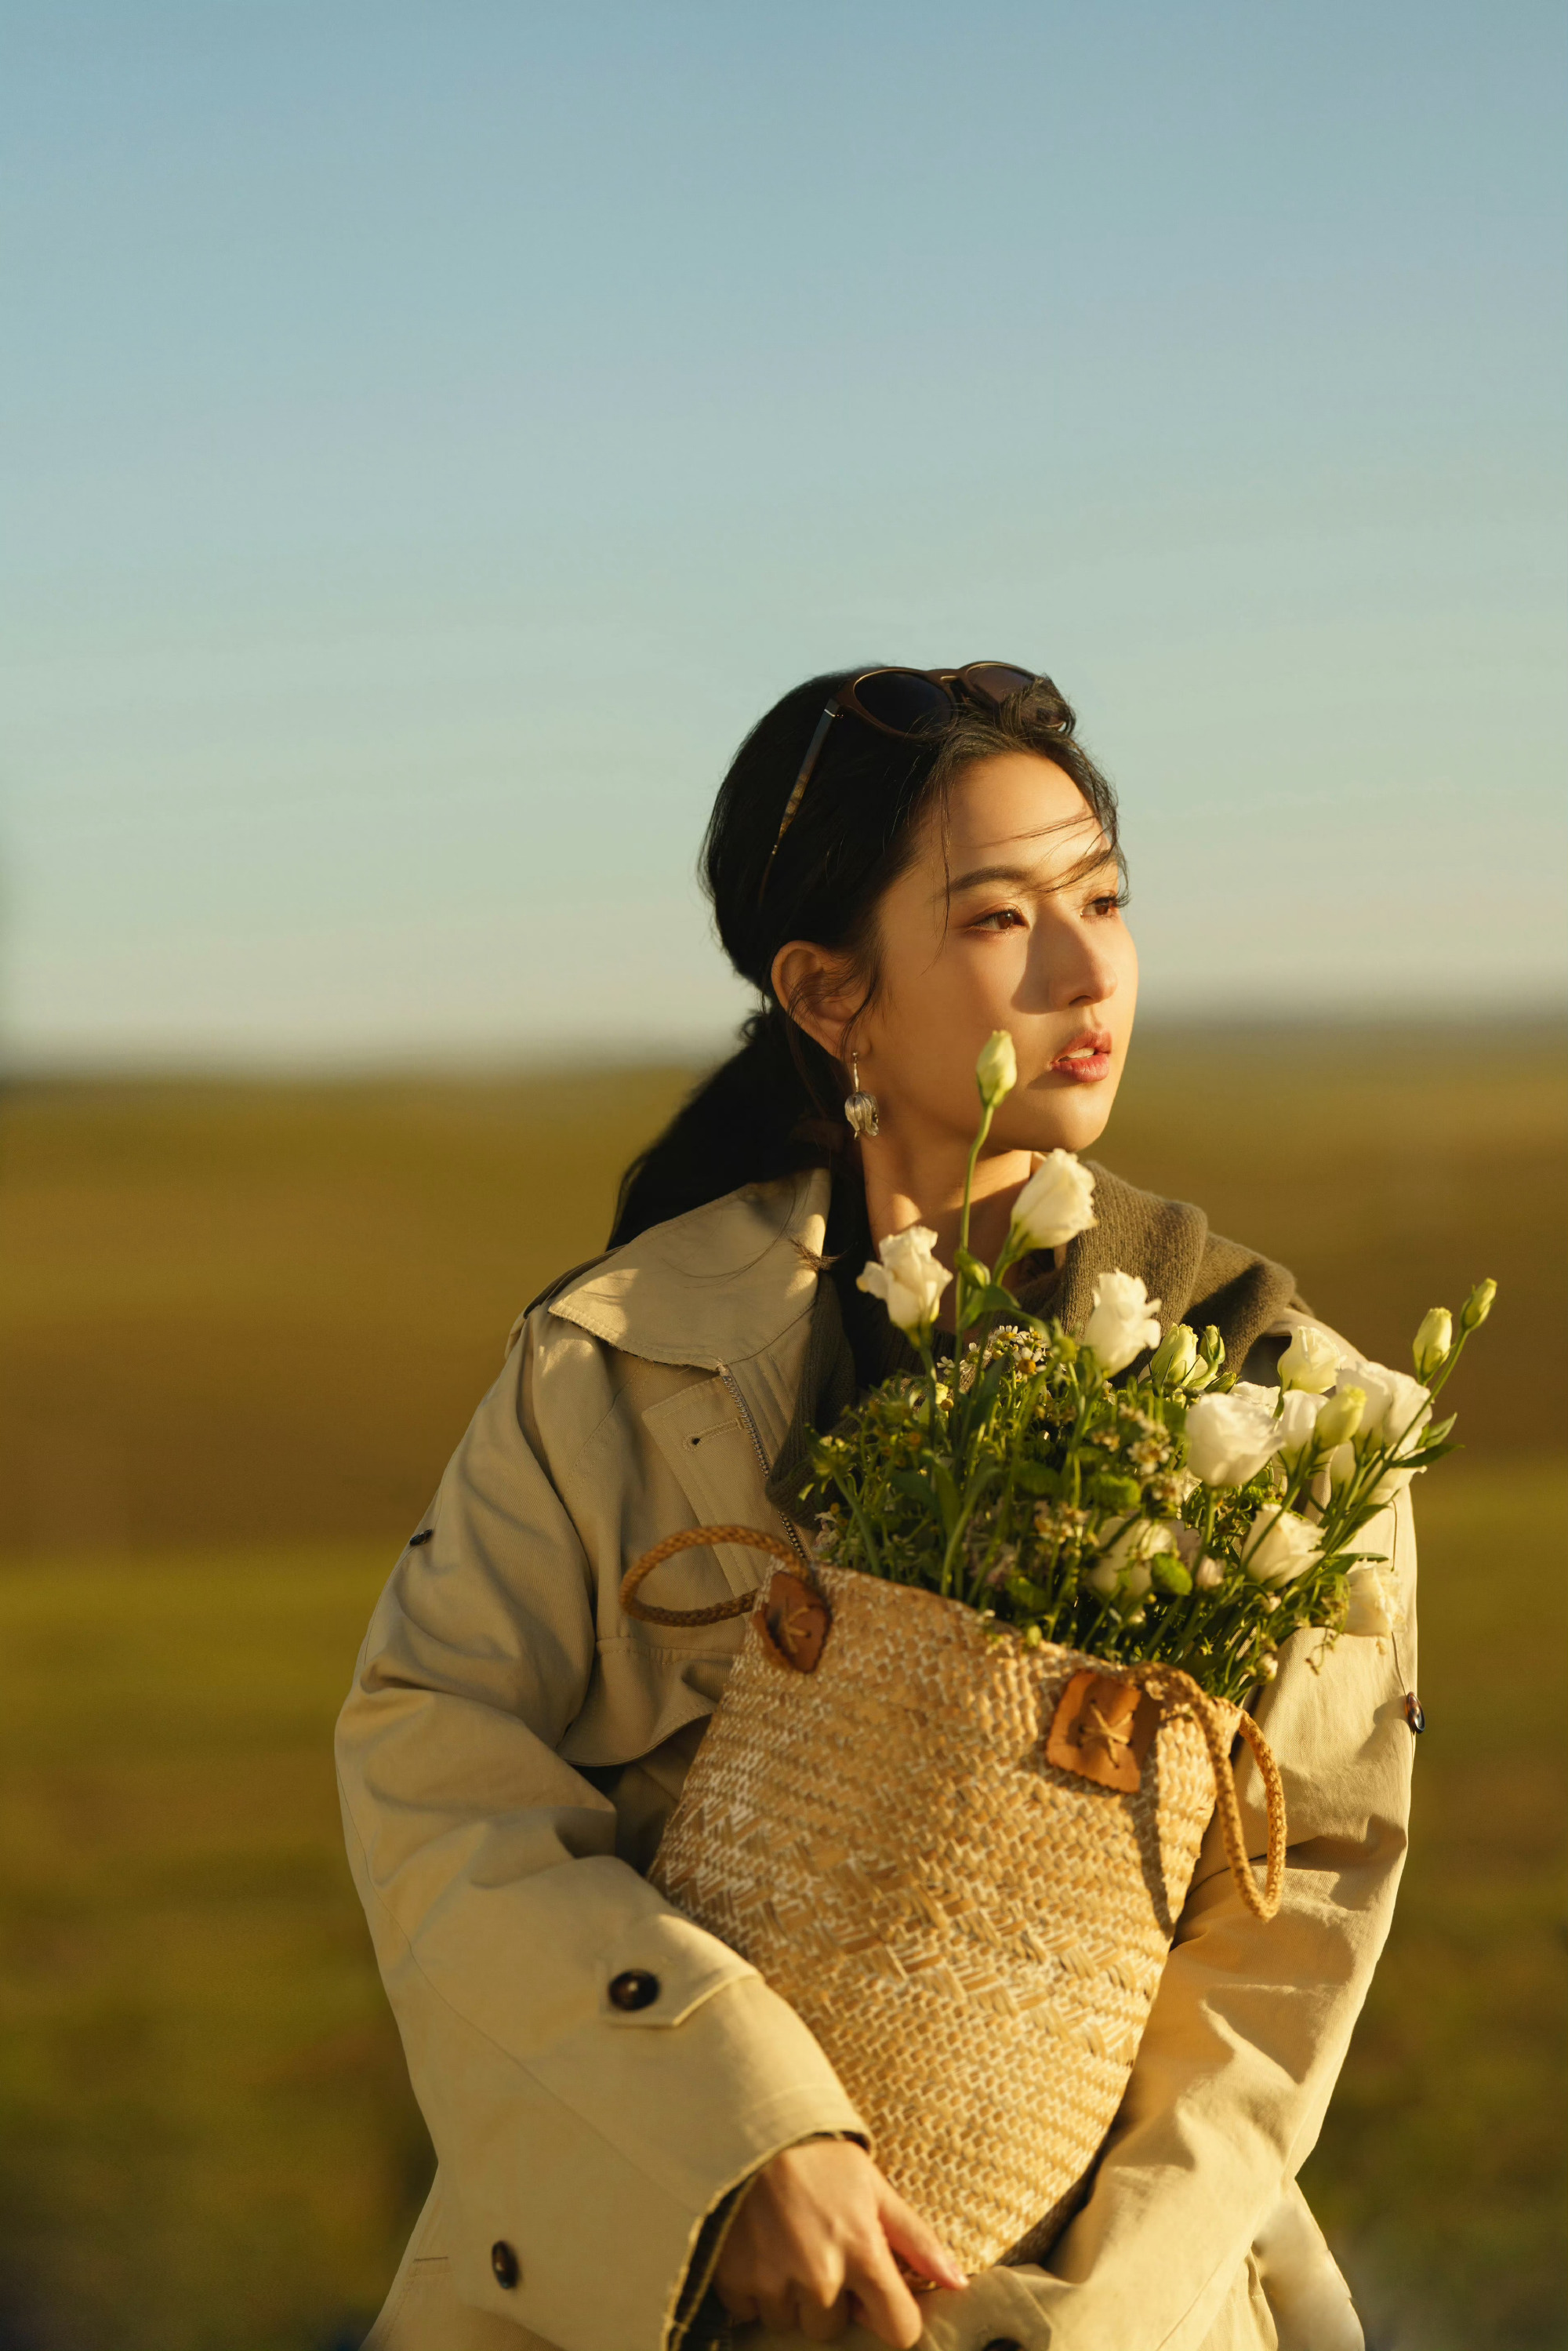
(1002, 2343)
(635, 1989)
(504, 2261)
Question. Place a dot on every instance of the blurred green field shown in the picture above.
(242, 1327)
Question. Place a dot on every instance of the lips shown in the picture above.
(1086, 1059)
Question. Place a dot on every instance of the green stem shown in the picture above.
(961, 1284)
(873, 1558)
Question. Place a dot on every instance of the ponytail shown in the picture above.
(768, 1111)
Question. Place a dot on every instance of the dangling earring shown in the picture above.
(861, 1109)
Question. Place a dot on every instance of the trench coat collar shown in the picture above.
(715, 1287)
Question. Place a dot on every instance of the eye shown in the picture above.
(1001, 918)
(1107, 903)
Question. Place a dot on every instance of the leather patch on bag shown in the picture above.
(793, 1622)
(1102, 1730)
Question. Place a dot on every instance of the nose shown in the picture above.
(1073, 966)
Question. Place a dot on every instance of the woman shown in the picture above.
(639, 2143)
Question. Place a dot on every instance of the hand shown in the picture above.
(814, 2247)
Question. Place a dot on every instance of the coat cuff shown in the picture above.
(536, 2146)
(996, 2312)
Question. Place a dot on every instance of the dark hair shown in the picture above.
(775, 1106)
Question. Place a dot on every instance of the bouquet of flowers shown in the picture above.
(951, 1802)
(1174, 1515)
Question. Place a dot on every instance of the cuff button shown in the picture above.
(635, 1989)
(504, 2261)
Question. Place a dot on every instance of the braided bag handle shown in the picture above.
(752, 1538)
(1170, 1682)
(1162, 1682)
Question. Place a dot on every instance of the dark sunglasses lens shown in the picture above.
(996, 680)
(902, 699)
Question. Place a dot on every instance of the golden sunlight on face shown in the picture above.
(1008, 920)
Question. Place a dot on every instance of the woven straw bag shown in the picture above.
(973, 1931)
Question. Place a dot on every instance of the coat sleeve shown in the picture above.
(1252, 2022)
(591, 2139)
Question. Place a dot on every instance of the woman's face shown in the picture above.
(1011, 921)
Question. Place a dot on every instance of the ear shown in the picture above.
(818, 992)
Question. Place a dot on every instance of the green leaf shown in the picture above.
(946, 1496)
(913, 1485)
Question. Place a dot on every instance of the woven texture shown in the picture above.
(974, 1936)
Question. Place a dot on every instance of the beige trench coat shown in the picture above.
(511, 1747)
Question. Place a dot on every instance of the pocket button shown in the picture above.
(635, 1989)
(504, 2261)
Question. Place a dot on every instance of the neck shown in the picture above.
(905, 1188)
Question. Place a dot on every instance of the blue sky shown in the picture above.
(435, 432)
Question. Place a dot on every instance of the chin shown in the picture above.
(1069, 1121)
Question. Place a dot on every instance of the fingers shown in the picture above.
(917, 2242)
(884, 2303)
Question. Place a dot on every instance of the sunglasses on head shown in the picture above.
(905, 704)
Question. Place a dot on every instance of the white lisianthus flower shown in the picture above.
(1397, 1408)
(1280, 1547)
(996, 1071)
(1311, 1361)
(1368, 1615)
(1208, 1574)
(1229, 1437)
(1389, 1486)
(1056, 1202)
(1124, 1561)
(1296, 1429)
(909, 1280)
(1123, 1320)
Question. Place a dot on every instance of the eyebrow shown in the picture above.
(1020, 873)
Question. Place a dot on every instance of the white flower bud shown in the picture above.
(1175, 1357)
(1340, 1416)
(996, 1071)
(1433, 1341)
(1477, 1306)
(1208, 1574)
(1055, 1203)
